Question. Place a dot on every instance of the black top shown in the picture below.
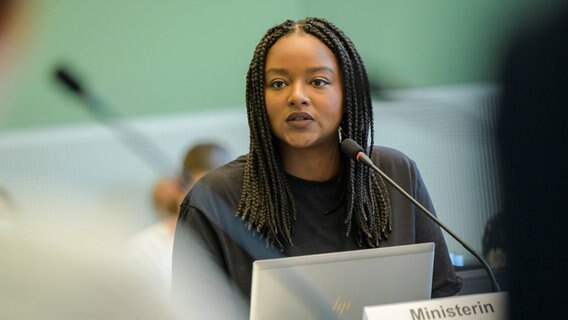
(321, 212)
(210, 207)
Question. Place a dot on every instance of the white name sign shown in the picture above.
(486, 306)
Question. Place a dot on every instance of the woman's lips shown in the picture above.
(299, 120)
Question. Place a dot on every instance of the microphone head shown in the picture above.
(351, 148)
(69, 81)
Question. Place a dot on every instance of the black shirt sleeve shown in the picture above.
(199, 270)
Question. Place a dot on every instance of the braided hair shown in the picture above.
(266, 202)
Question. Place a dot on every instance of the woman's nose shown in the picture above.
(298, 96)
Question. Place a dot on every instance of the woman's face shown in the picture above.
(303, 92)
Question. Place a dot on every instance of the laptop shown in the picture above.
(338, 285)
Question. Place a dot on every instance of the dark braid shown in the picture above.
(266, 202)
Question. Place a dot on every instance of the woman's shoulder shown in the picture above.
(227, 173)
(389, 157)
(223, 183)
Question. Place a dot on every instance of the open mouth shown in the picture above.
(299, 116)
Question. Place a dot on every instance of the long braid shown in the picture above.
(266, 201)
(372, 209)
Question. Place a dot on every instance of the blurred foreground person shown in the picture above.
(534, 156)
(7, 210)
(15, 19)
(60, 275)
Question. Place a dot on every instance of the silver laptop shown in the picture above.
(338, 285)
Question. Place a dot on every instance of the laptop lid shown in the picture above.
(338, 285)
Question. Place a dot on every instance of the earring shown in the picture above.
(340, 134)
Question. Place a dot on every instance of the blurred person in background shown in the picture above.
(493, 242)
(152, 247)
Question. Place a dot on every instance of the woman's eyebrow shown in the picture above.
(318, 69)
(277, 71)
(282, 71)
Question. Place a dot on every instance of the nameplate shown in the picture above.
(486, 306)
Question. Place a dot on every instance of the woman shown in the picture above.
(306, 89)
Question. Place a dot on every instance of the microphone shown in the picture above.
(355, 152)
(69, 81)
(131, 137)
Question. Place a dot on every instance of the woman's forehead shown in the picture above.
(300, 49)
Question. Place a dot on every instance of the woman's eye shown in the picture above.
(320, 82)
(278, 84)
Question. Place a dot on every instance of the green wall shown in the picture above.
(413, 43)
(150, 58)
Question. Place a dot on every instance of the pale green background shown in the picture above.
(159, 57)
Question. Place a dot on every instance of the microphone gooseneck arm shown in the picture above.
(151, 153)
(355, 152)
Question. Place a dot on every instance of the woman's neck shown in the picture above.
(315, 164)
